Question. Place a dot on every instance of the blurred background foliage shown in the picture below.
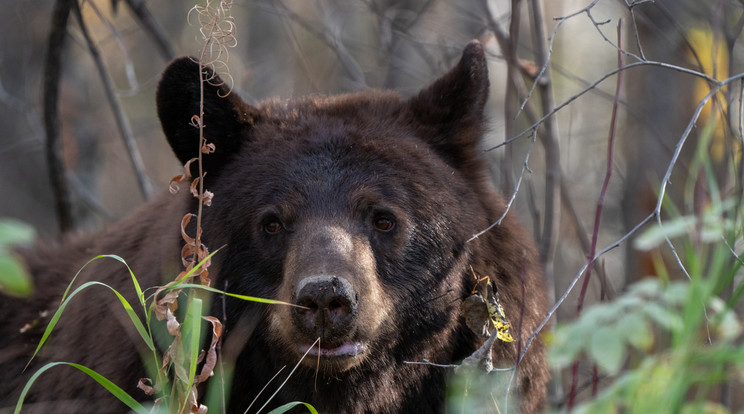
(296, 47)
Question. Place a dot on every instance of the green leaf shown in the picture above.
(105, 382)
(636, 330)
(656, 235)
(566, 346)
(663, 316)
(676, 293)
(286, 407)
(607, 349)
(725, 322)
(599, 315)
(14, 279)
(15, 232)
(646, 287)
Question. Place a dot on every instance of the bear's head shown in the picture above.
(357, 208)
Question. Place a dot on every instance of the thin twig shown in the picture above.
(52, 72)
(123, 52)
(549, 139)
(582, 234)
(513, 194)
(599, 209)
(349, 63)
(617, 243)
(121, 121)
(152, 28)
(597, 83)
(631, 8)
(654, 215)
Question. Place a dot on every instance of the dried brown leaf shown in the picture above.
(208, 148)
(145, 384)
(168, 302)
(207, 198)
(196, 121)
(475, 312)
(174, 328)
(187, 256)
(208, 367)
(173, 185)
(204, 277)
(195, 187)
(185, 222)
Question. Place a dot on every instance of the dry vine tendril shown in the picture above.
(217, 28)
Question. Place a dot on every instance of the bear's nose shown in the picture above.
(329, 305)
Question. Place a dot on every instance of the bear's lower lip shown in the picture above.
(346, 349)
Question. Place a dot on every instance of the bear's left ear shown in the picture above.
(227, 118)
(452, 107)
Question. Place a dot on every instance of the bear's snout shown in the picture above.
(327, 307)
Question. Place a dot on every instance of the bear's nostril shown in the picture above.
(335, 304)
(329, 306)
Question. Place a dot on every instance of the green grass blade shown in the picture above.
(137, 288)
(130, 311)
(103, 381)
(234, 295)
(193, 324)
(136, 284)
(286, 407)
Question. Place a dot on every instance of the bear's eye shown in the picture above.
(273, 227)
(384, 224)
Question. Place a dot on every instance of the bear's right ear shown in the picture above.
(453, 107)
(227, 118)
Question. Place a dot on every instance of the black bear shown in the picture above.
(359, 208)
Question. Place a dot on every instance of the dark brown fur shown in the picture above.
(325, 171)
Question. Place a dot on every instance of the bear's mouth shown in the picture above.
(333, 349)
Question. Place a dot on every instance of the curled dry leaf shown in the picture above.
(196, 121)
(208, 148)
(481, 311)
(204, 277)
(169, 301)
(174, 328)
(207, 198)
(185, 222)
(173, 185)
(145, 384)
(195, 187)
(187, 257)
(475, 311)
(211, 359)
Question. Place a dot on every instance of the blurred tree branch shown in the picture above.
(121, 120)
(53, 147)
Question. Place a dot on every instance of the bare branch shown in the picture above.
(598, 210)
(52, 72)
(349, 63)
(121, 121)
(152, 27)
(597, 83)
(551, 224)
(514, 193)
